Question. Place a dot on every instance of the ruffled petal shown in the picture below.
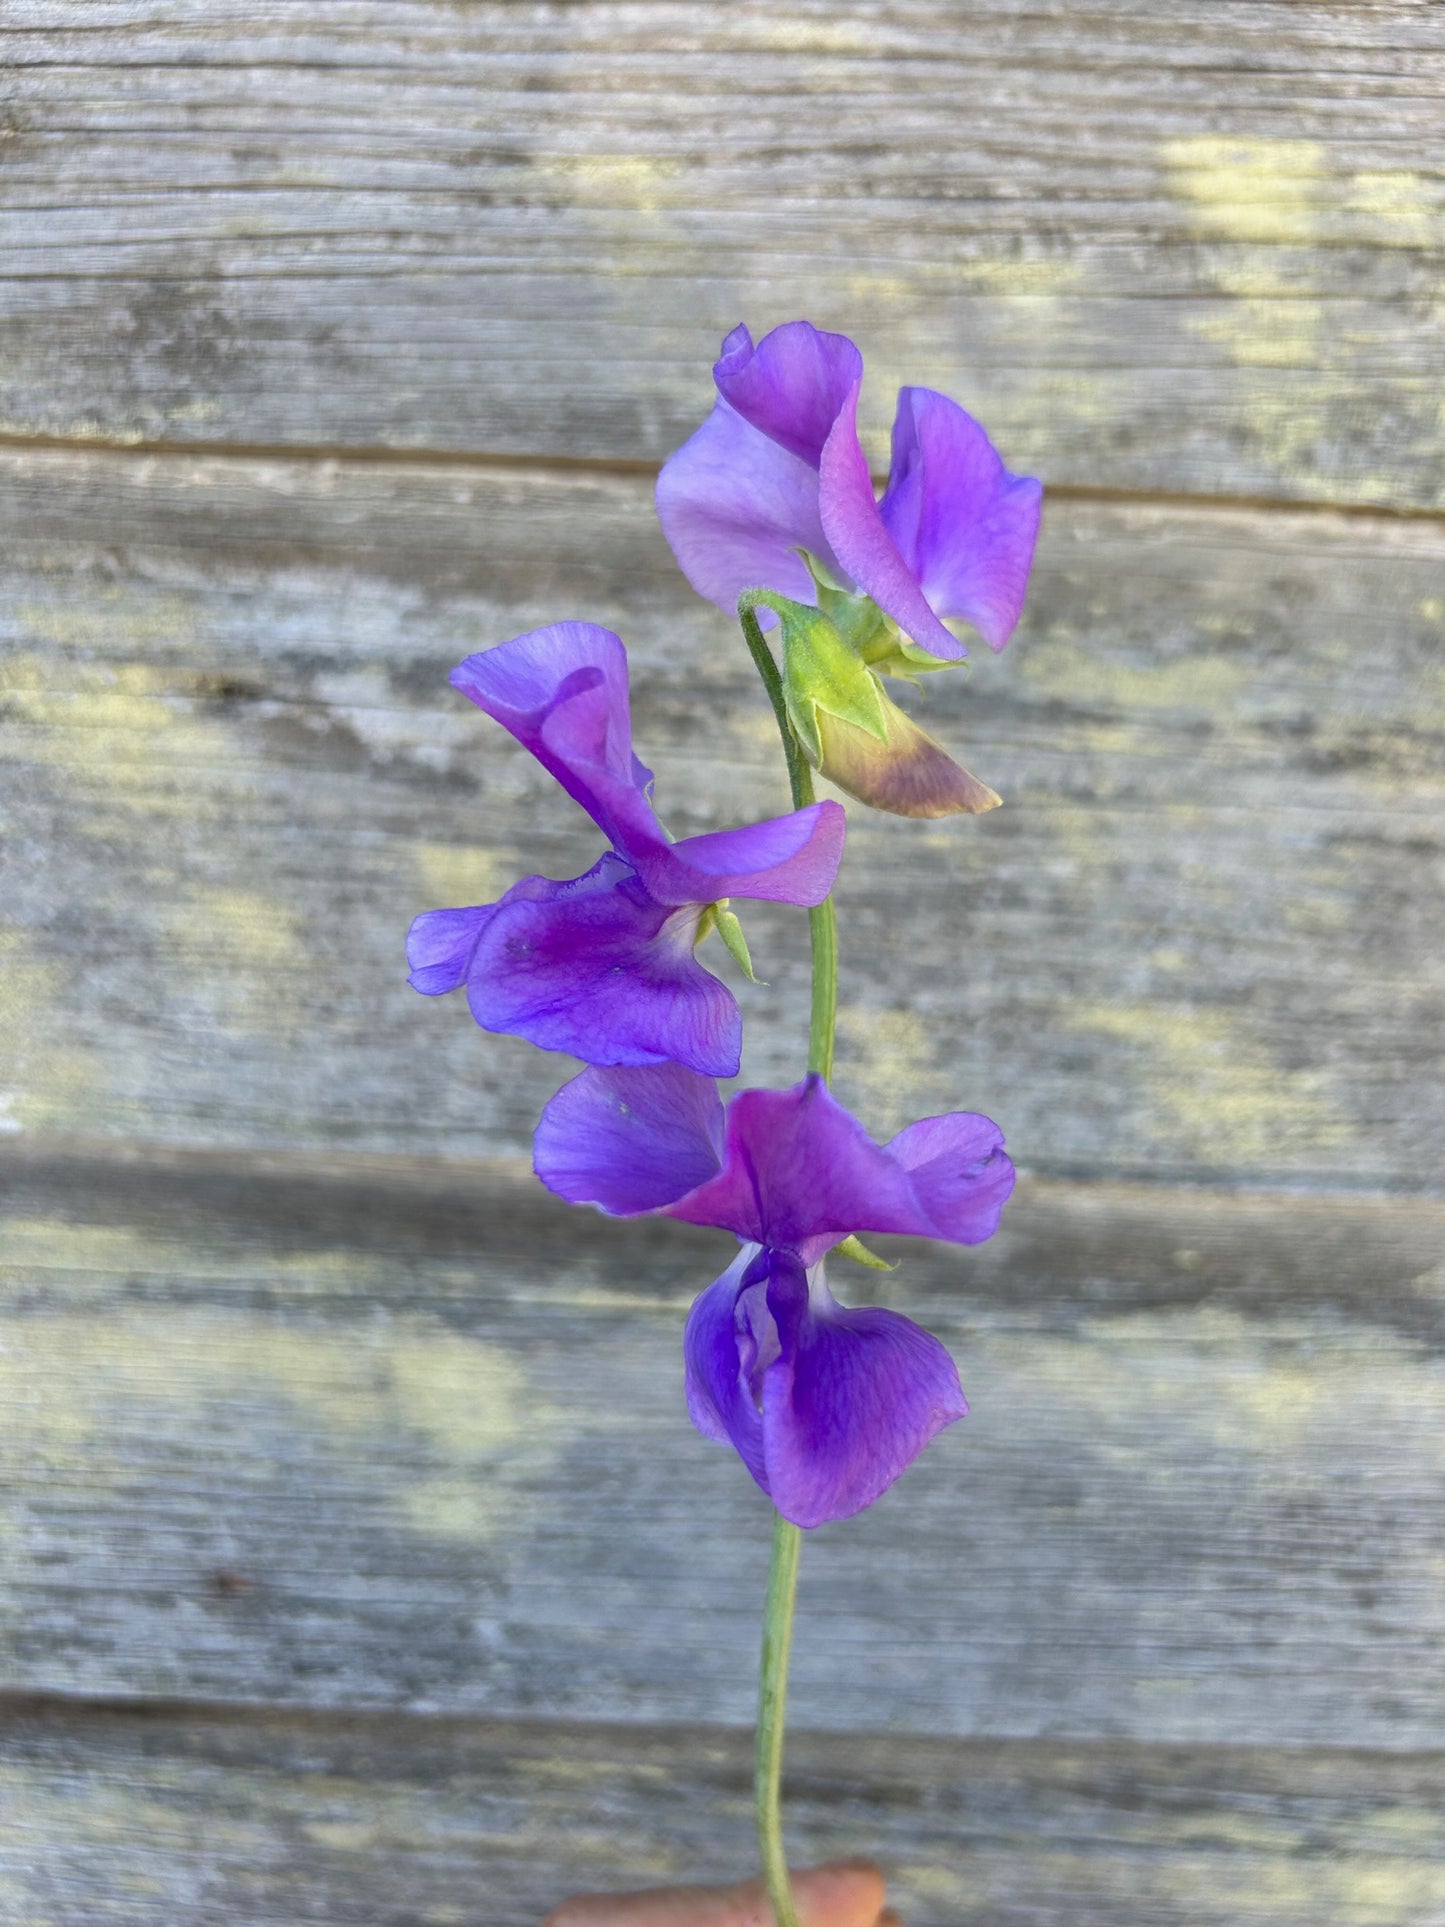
(797, 1168)
(825, 1406)
(963, 525)
(630, 1140)
(719, 1400)
(735, 508)
(864, 546)
(791, 1170)
(852, 1399)
(440, 945)
(792, 386)
(562, 692)
(596, 967)
(961, 1174)
(788, 859)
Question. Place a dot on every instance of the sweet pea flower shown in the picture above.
(602, 965)
(826, 1406)
(777, 473)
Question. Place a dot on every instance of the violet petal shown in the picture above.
(792, 386)
(562, 692)
(863, 544)
(719, 1400)
(787, 859)
(735, 508)
(796, 1168)
(440, 945)
(630, 1140)
(852, 1399)
(963, 525)
(596, 967)
(960, 1173)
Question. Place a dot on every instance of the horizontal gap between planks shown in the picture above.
(722, 1752)
(42, 1155)
(370, 457)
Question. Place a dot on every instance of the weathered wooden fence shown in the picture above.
(356, 1561)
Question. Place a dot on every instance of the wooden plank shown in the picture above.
(206, 1816)
(1197, 252)
(413, 1436)
(1197, 942)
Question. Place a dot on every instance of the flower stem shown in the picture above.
(772, 1710)
(787, 1539)
(822, 918)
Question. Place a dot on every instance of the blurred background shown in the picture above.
(357, 1562)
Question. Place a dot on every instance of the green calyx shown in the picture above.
(717, 916)
(874, 636)
(823, 672)
(853, 1248)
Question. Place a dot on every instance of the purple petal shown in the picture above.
(864, 546)
(961, 1175)
(797, 1168)
(597, 967)
(788, 859)
(852, 1400)
(826, 1407)
(440, 945)
(735, 508)
(963, 525)
(799, 1172)
(562, 692)
(792, 386)
(719, 1399)
(630, 1140)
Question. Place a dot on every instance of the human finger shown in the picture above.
(845, 1893)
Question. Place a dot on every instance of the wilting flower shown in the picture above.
(826, 1406)
(777, 468)
(603, 965)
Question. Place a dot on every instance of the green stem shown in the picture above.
(787, 1539)
(772, 1712)
(822, 918)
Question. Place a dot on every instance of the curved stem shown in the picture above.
(787, 1539)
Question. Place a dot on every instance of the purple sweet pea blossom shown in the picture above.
(826, 1406)
(778, 468)
(602, 965)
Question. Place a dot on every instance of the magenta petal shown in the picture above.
(960, 1173)
(440, 945)
(852, 1399)
(788, 859)
(598, 968)
(630, 1140)
(864, 546)
(792, 386)
(964, 526)
(562, 692)
(798, 1167)
(735, 508)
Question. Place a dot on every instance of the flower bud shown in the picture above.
(855, 735)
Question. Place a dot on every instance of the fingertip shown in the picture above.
(844, 1893)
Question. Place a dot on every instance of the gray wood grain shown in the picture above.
(338, 1434)
(201, 1817)
(1199, 251)
(1198, 941)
